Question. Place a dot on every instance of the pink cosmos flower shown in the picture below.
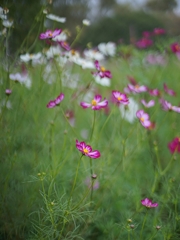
(174, 146)
(120, 97)
(143, 118)
(50, 34)
(102, 72)
(96, 103)
(167, 106)
(154, 92)
(148, 104)
(175, 47)
(55, 102)
(169, 91)
(146, 34)
(159, 31)
(137, 89)
(8, 92)
(87, 150)
(148, 203)
(144, 43)
(65, 45)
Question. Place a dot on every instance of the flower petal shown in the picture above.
(94, 154)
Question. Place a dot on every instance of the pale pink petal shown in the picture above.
(139, 113)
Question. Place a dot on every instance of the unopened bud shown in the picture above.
(94, 176)
(158, 227)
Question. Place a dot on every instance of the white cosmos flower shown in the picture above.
(129, 112)
(108, 49)
(53, 51)
(86, 22)
(102, 81)
(61, 37)
(27, 57)
(56, 18)
(93, 54)
(7, 23)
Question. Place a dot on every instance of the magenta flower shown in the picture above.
(174, 146)
(143, 118)
(144, 43)
(87, 150)
(154, 92)
(148, 203)
(137, 89)
(169, 91)
(102, 72)
(146, 34)
(96, 103)
(175, 47)
(8, 92)
(167, 106)
(159, 31)
(50, 34)
(55, 102)
(65, 45)
(120, 97)
(148, 104)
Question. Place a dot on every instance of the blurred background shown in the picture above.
(111, 20)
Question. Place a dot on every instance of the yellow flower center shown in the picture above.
(142, 119)
(103, 69)
(50, 34)
(179, 140)
(94, 103)
(119, 98)
(85, 150)
(73, 52)
(137, 86)
(177, 47)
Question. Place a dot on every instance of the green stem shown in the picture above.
(93, 125)
(145, 217)
(168, 166)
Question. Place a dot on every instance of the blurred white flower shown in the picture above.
(56, 18)
(27, 57)
(102, 81)
(5, 103)
(22, 78)
(70, 80)
(108, 49)
(93, 54)
(53, 51)
(86, 22)
(129, 112)
(61, 37)
(7, 23)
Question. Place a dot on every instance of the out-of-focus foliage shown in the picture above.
(161, 5)
(127, 24)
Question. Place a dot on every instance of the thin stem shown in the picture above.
(145, 217)
(168, 166)
(93, 125)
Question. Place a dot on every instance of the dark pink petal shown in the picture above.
(59, 98)
(94, 154)
(89, 148)
(107, 74)
(103, 104)
(98, 98)
(51, 104)
(97, 65)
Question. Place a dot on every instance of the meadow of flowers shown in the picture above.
(89, 137)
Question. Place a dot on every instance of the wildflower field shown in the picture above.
(90, 139)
